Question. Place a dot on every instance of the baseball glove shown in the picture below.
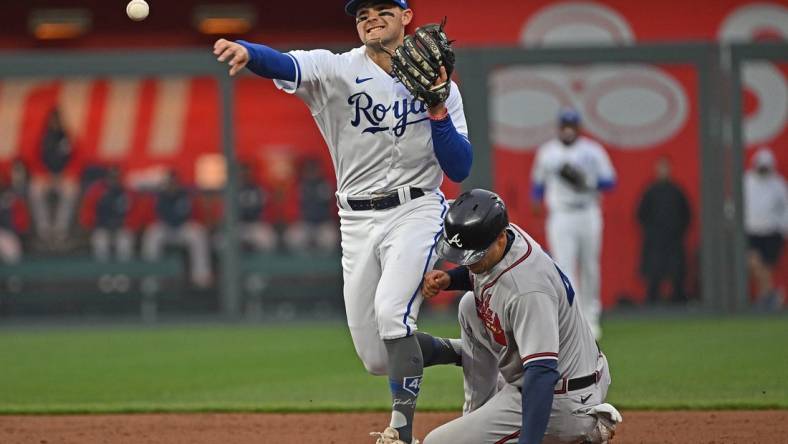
(417, 63)
(572, 175)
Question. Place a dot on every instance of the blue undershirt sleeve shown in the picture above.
(452, 149)
(460, 279)
(269, 63)
(538, 385)
(605, 184)
(537, 191)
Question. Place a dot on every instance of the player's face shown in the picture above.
(492, 257)
(568, 133)
(382, 23)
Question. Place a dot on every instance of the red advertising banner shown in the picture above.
(638, 112)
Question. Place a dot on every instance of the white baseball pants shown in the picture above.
(575, 241)
(385, 254)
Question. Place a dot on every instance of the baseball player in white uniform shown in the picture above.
(389, 153)
(569, 173)
(520, 321)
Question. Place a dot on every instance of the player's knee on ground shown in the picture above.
(460, 430)
(437, 436)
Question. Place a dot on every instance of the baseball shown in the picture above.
(137, 10)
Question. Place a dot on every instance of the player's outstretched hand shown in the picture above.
(234, 53)
(434, 282)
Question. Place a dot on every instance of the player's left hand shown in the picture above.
(434, 282)
(424, 64)
(440, 108)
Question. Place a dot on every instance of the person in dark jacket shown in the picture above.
(316, 228)
(176, 225)
(107, 212)
(664, 215)
(56, 172)
(254, 231)
(13, 223)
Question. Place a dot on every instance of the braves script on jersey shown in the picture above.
(377, 133)
(528, 310)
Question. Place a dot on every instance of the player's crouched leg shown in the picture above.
(497, 421)
(370, 349)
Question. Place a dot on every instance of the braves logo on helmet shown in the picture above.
(455, 240)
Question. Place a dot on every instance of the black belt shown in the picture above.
(575, 383)
(577, 206)
(382, 202)
(581, 383)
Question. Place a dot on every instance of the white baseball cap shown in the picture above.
(764, 158)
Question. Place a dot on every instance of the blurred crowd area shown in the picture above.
(110, 170)
(54, 204)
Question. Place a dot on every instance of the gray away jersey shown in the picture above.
(378, 135)
(530, 313)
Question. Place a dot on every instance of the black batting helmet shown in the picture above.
(474, 221)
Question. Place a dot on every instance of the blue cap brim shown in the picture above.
(352, 6)
(569, 117)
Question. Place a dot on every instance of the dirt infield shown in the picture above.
(638, 427)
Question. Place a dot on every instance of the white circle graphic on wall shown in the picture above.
(629, 106)
(763, 79)
(632, 106)
(576, 23)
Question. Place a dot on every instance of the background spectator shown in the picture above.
(20, 177)
(13, 222)
(106, 210)
(664, 215)
(253, 231)
(175, 225)
(766, 223)
(316, 227)
(57, 176)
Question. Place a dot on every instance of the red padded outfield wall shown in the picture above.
(145, 123)
(638, 112)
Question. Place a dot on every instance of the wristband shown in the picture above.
(441, 116)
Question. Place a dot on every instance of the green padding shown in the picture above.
(291, 265)
(68, 268)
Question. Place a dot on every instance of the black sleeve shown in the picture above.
(460, 279)
(644, 207)
(686, 212)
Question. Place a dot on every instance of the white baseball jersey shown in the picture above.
(765, 204)
(378, 135)
(584, 155)
(380, 140)
(529, 310)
